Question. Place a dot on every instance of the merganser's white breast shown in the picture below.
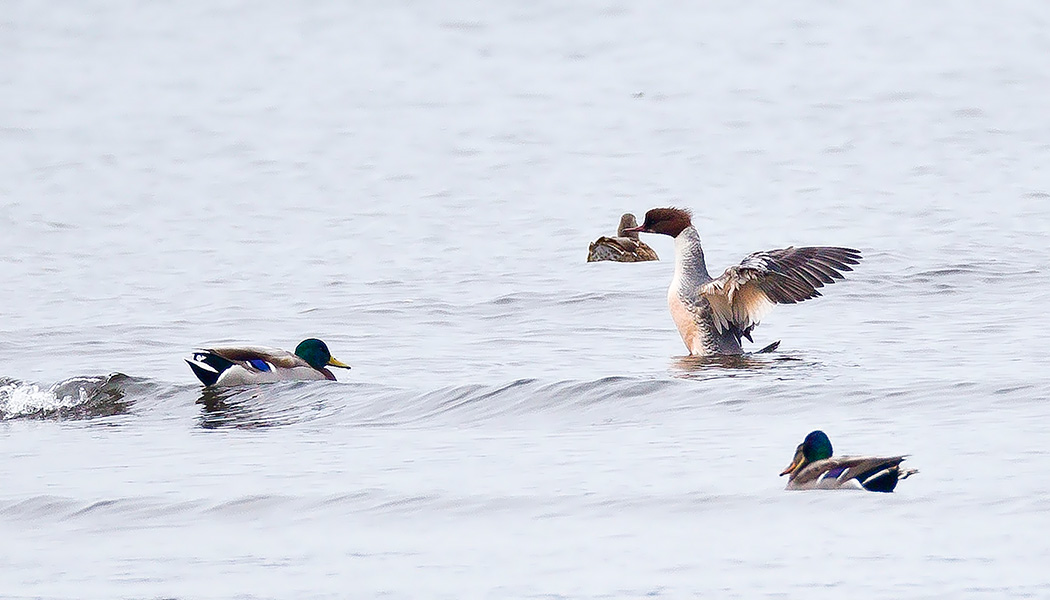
(687, 308)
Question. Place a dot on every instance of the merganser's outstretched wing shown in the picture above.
(746, 292)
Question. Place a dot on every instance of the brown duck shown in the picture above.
(625, 247)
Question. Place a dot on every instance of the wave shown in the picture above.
(357, 403)
(963, 275)
(160, 510)
(371, 405)
(74, 398)
(780, 381)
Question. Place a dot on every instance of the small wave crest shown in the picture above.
(370, 405)
(964, 275)
(152, 511)
(73, 398)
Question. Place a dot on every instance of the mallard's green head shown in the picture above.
(815, 447)
(316, 354)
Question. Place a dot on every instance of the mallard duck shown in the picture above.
(714, 314)
(814, 468)
(625, 247)
(243, 365)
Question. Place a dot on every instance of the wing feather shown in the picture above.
(839, 471)
(742, 296)
(276, 356)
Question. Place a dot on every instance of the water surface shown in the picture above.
(417, 183)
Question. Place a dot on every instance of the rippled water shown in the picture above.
(417, 183)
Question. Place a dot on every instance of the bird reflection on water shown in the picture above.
(246, 407)
(718, 367)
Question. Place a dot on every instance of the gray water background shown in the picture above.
(416, 183)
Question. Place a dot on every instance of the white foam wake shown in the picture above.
(22, 399)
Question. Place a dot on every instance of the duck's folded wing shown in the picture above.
(624, 244)
(275, 356)
(840, 471)
(742, 296)
(864, 467)
(646, 252)
(877, 474)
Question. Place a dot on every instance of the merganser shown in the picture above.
(242, 365)
(625, 247)
(712, 315)
(814, 468)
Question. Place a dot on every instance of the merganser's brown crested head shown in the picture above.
(628, 227)
(668, 221)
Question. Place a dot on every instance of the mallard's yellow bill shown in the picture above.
(794, 465)
(332, 362)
